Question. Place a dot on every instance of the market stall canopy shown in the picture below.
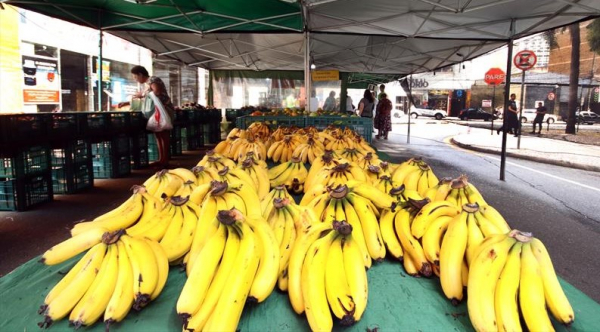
(378, 36)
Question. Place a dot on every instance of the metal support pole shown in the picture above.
(589, 97)
(506, 98)
(409, 116)
(99, 73)
(493, 108)
(521, 110)
(307, 77)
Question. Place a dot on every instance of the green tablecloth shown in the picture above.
(397, 302)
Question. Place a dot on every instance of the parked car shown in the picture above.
(476, 113)
(416, 112)
(588, 117)
(530, 113)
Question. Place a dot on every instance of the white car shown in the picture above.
(417, 112)
(529, 114)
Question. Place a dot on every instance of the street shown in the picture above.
(558, 204)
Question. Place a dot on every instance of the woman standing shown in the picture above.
(366, 105)
(154, 87)
(383, 119)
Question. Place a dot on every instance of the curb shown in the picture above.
(527, 157)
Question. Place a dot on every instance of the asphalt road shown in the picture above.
(558, 204)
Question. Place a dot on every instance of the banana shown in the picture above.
(269, 268)
(336, 284)
(356, 274)
(199, 193)
(185, 174)
(232, 246)
(123, 219)
(73, 246)
(452, 254)
(410, 245)
(313, 284)
(370, 226)
(388, 233)
(145, 270)
(205, 267)
(495, 218)
(428, 214)
(381, 199)
(357, 233)
(121, 299)
(64, 302)
(303, 243)
(228, 310)
(507, 292)
(162, 263)
(556, 300)
(182, 242)
(289, 237)
(531, 292)
(91, 306)
(473, 195)
(484, 272)
(474, 238)
(432, 239)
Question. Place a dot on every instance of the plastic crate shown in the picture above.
(17, 130)
(139, 150)
(29, 161)
(69, 180)
(63, 126)
(152, 149)
(117, 146)
(231, 114)
(137, 123)
(273, 121)
(111, 167)
(24, 193)
(191, 137)
(362, 126)
(119, 122)
(76, 151)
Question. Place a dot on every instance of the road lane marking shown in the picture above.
(447, 141)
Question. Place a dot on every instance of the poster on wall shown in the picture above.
(41, 81)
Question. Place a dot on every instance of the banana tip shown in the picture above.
(46, 323)
(348, 320)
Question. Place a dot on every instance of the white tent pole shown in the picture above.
(307, 77)
(99, 72)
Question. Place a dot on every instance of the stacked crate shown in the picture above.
(72, 167)
(111, 158)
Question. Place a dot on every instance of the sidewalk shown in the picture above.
(538, 149)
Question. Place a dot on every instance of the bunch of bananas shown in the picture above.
(118, 273)
(215, 160)
(359, 204)
(339, 174)
(440, 191)
(465, 233)
(309, 151)
(326, 275)
(511, 276)
(368, 159)
(236, 174)
(239, 261)
(282, 151)
(287, 221)
(292, 174)
(257, 171)
(224, 147)
(415, 174)
(260, 130)
(352, 154)
(459, 192)
(241, 147)
(266, 203)
(338, 141)
(205, 174)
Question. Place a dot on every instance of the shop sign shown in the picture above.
(438, 92)
(325, 75)
(418, 83)
(105, 70)
(525, 60)
(486, 103)
(41, 82)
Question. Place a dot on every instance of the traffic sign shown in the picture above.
(551, 96)
(525, 60)
(494, 76)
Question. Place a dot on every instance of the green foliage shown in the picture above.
(593, 35)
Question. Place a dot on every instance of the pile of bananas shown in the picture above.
(118, 273)
(238, 233)
(511, 275)
(326, 275)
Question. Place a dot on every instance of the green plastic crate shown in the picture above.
(69, 180)
(24, 193)
(139, 150)
(33, 160)
(362, 126)
(273, 121)
(152, 149)
(111, 167)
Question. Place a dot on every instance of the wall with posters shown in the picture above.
(11, 72)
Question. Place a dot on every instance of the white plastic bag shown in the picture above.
(160, 120)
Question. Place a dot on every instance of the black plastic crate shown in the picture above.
(152, 149)
(76, 151)
(119, 122)
(69, 180)
(117, 146)
(139, 150)
(24, 193)
(176, 147)
(63, 126)
(111, 166)
(18, 130)
(97, 124)
(28, 161)
(137, 123)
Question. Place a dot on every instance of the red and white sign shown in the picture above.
(486, 103)
(494, 76)
(551, 96)
(525, 60)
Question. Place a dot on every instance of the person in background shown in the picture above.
(157, 86)
(349, 104)
(329, 104)
(512, 118)
(366, 105)
(539, 117)
(381, 91)
(383, 119)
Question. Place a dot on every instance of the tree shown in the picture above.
(593, 35)
(573, 78)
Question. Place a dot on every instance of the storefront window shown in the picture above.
(74, 80)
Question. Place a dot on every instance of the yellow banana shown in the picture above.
(269, 268)
(507, 292)
(336, 284)
(73, 246)
(370, 226)
(162, 264)
(356, 274)
(388, 234)
(452, 255)
(121, 299)
(145, 270)
(432, 239)
(430, 212)
(474, 238)
(353, 219)
(410, 245)
(531, 292)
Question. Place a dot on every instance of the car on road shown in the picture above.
(529, 114)
(588, 117)
(416, 112)
(476, 113)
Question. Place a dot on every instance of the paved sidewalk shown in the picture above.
(538, 149)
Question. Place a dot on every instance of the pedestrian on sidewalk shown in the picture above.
(539, 117)
(383, 119)
(512, 117)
